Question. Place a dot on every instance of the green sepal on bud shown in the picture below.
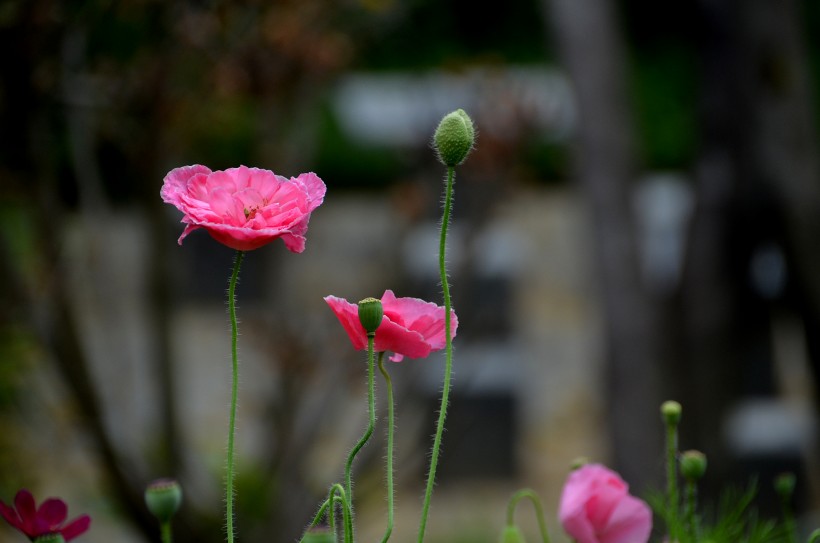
(692, 465)
(163, 498)
(511, 534)
(454, 138)
(784, 484)
(578, 463)
(370, 314)
(49, 538)
(318, 535)
(671, 412)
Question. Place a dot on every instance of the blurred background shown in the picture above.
(639, 222)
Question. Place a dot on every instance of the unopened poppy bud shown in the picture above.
(671, 411)
(318, 535)
(454, 138)
(163, 498)
(784, 484)
(49, 538)
(370, 314)
(692, 465)
(512, 534)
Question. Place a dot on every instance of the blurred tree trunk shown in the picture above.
(709, 343)
(589, 40)
(756, 180)
(784, 151)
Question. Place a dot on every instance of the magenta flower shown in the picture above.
(244, 208)
(47, 519)
(596, 507)
(410, 327)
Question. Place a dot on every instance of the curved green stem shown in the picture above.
(448, 367)
(539, 510)
(327, 509)
(814, 537)
(371, 405)
(390, 425)
(229, 493)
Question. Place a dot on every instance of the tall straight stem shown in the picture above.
(229, 494)
(448, 367)
(390, 424)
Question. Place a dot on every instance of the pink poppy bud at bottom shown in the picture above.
(512, 534)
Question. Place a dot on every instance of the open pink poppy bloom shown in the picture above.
(47, 519)
(596, 507)
(244, 208)
(410, 327)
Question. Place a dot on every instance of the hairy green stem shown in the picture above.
(448, 367)
(371, 406)
(229, 492)
(390, 426)
(539, 510)
(326, 508)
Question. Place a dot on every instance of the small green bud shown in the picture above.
(784, 484)
(454, 138)
(370, 314)
(49, 538)
(512, 534)
(163, 498)
(671, 411)
(692, 465)
(318, 535)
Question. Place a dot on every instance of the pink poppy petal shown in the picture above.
(10, 515)
(188, 229)
(294, 243)
(314, 187)
(176, 182)
(241, 239)
(390, 336)
(577, 525)
(631, 521)
(348, 315)
(26, 509)
(76, 527)
(53, 511)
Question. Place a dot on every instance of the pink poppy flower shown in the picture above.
(244, 208)
(47, 519)
(596, 507)
(410, 327)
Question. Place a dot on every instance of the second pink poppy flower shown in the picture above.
(410, 327)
